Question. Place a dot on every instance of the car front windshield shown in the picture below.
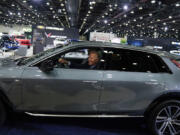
(20, 37)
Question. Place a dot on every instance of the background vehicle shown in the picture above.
(60, 41)
(129, 82)
(7, 44)
(22, 40)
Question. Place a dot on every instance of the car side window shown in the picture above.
(75, 59)
(129, 61)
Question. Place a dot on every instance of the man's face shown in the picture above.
(93, 59)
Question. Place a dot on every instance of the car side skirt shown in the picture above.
(81, 115)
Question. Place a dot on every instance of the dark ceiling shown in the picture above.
(148, 18)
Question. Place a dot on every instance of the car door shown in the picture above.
(130, 83)
(61, 90)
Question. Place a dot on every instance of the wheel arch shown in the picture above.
(164, 97)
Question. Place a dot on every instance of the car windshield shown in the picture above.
(20, 37)
(26, 60)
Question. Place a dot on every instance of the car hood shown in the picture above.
(7, 62)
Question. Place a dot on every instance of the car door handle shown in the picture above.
(90, 81)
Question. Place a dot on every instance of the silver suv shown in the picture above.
(130, 81)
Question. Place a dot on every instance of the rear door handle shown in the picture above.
(90, 81)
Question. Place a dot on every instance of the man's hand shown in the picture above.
(63, 61)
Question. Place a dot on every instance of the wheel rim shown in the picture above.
(168, 121)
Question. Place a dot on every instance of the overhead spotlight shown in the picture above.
(115, 5)
(125, 16)
(164, 23)
(110, 9)
(177, 4)
(150, 14)
(166, 28)
(125, 7)
(170, 17)
(105, 21)
(153, 1)
(91, 7)
(48, 3)
(174, 21)
(132, 12)
(141, 17)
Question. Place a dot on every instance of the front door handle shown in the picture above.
(90, 81)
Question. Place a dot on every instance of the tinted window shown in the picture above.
(130, 61)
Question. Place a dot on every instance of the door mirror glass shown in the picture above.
(47, 66)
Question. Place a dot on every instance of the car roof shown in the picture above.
(122, 46)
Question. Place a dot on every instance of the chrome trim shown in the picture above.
(81, 116)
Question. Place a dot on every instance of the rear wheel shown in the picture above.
(2, 113)
(164, 119)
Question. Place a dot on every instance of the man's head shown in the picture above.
(93, 58)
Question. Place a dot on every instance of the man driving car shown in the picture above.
(92, 63)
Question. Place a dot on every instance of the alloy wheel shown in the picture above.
(168, 120)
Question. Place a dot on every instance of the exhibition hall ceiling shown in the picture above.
(123, 17)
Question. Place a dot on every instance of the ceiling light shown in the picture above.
(177, 5)
(173, 21)
(125, 7)
(24, 1)
(140, 8)
(141, 17)
(51, 8)
(48, 3)
(166, 28)
(110, 9)
(93, 2)
(164, 23)
(30, 6)
(105, 21)
(91, 7)
(62, 4)
(106, 13)
(153, 1)
(170, 17)
(132, 12)
(125, 16)
(103, 16)
(150, 14)
(115, 5)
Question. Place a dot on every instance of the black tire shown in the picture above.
(159, 119)
(2, 113)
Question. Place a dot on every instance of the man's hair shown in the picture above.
(96, 52)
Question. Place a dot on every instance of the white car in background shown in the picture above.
(176, 52)
(60, 41)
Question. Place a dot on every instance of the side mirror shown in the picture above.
(47, 66)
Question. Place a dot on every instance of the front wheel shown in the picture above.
(164, 119)
(2, 113)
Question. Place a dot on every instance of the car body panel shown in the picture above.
(61, 90)
(129, 91)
